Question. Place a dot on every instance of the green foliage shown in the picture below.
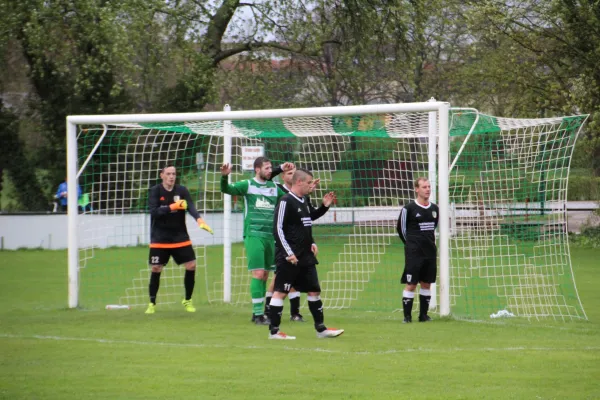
(536, 58)
(19, 169)
(72, 67)
(343, 192)
(589, 237)
(252, 83)
(584, 188)
(194, 87)
(526, 59)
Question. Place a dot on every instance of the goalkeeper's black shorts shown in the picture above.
(160, 255)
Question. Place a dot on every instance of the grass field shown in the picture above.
(49, 352)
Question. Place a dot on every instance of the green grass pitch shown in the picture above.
(49, 352)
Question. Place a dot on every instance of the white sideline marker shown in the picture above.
(117, 307)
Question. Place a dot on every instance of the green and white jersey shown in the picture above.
(260, 200)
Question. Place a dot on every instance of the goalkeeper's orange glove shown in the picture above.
(203, 225)
(178, 205)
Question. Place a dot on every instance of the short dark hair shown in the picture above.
(419, 180)
(258, 163)
(301, 173)
(167, 165)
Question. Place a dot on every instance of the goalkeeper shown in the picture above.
(168, 203)
(260, 197)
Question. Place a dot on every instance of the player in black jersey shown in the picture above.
(315, 213)
(296, 257)
(416, 228)
(168, 203)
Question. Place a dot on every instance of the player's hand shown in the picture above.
(314, 249)
(287, 166)
(204, 225)
(292, 259)
(178, 205)
(225, 169)
(328, 199)
(314, 184)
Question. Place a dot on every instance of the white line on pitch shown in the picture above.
(296, 349)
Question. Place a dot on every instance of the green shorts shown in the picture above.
(260, 253)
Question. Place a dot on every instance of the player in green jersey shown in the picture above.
(260, 198)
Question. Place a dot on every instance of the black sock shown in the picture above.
(268, 303)
(295, 305)
(424, 305)
(275, 317)
(316, 309)
(189, 281)
(407, 303)
(153, 286)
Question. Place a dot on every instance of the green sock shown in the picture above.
(257, 291)
(264, 288)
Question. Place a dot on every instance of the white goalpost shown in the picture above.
(499, 184)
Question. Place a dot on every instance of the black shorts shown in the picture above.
(181, 255)
(419, 269)
(303, 278)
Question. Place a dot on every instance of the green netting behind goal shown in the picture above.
(508, 182)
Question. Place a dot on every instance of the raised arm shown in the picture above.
(276, 171)
(316, 213)
(401, 226)
(286, 166)
(237, 189)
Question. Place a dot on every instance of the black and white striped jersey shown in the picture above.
(416, 228)
(315, 213)
(293, 230)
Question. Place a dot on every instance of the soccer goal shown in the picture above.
(500, 185)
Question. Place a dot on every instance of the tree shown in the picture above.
(15, 164)
(559, 46)
(97, 56)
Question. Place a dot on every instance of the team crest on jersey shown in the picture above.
(434, 214)
(176, 198)
(264, 204)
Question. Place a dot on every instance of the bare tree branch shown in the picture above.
(256, 45)
(205, 10)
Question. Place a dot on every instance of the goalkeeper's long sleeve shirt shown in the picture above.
(168, 227)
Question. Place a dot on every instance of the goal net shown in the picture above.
(509, 240)
(506, 198)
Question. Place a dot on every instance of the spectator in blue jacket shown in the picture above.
(61, 195)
